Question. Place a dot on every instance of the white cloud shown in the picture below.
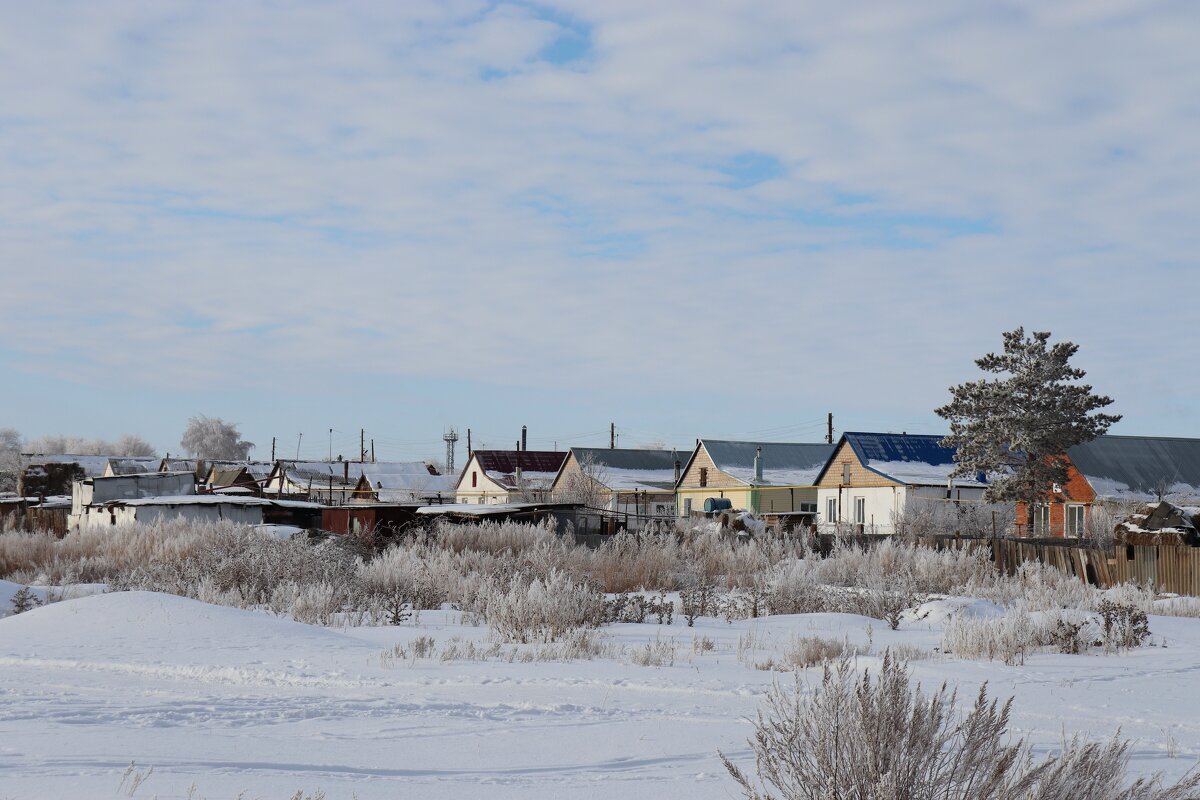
(319, 172)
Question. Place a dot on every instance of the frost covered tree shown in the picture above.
(1018, 427)
(10, 459)
(214, 438)
(129, 445)
(586, 486)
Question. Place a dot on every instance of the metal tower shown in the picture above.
(450, 437)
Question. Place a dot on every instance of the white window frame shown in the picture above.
(1041, 519)
(831, 509)
(1076, 509)
(860, 511)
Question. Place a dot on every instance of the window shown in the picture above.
(474, 479)
(704, 476)
(1041, 521)
(687, 506)
(860, 510)
(846, 474)
(1074, 523)
(831, 510)
(808, 508)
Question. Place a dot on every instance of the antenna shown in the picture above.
(450, 437)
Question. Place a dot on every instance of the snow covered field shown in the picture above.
(221, 701)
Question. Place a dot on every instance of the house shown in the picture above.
(508, 476)
(760, 477)
(1116, 471)
(404, 482)
(871, 478)
(330, 482)
(238, 477)
(130, 466)
(627, 481)
(89, 495)
(169, 464)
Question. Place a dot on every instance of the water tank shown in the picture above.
(717, 504)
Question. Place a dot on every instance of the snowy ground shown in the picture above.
(227, 701)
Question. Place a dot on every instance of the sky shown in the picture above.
(690, 219)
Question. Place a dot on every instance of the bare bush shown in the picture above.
(862, 738)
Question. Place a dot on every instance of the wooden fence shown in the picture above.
(1167, 567)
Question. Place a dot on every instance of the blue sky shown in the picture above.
(692, 219)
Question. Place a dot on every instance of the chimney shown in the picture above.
(346, 471)
(758, 465)
(677, 470)
(524, 438)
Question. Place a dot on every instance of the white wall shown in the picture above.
(883, 504)
(100, 518)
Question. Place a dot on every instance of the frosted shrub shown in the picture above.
(658, 653)
(1125, 626)
(863, 738)
(540, 610)
(811, 651)
(492, 537)
(1013, 636)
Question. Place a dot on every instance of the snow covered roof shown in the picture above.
(132, 466)
(629, 470)
(191, 500)
(910, 458)
(257, 470)
(538, 468)
(1136, 467)
(92, 466)
(400, 481)
(783, 463)
(482, 509)
(210, 499)
(343, 474)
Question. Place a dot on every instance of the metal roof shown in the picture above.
(507, 461)
(913, 459)
(628, 458)
(783, 463)
(1135, 467)
(631, 469)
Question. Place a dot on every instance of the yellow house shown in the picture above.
(760, 477)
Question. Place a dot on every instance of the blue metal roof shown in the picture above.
(917, 447)
(908, 458)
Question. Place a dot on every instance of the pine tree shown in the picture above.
(1017, 428)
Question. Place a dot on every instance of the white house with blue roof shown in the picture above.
(871, 478)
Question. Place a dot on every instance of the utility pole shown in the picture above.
(469, 450)
(299, 439)
(829, 430)
(331, 449)
(372, 451)
(362, 445)
(272, 449)
(612, 436)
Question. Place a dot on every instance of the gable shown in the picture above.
(701, 460)
(833, 472)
